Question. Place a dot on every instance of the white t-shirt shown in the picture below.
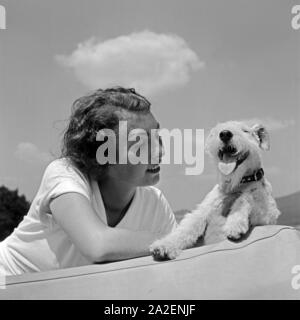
(40, 244)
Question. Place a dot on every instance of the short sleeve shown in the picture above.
(62, 177)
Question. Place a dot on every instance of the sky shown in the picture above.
(199, 62)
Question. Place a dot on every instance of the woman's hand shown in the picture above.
(97, 241)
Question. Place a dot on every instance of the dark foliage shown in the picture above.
(13, 207)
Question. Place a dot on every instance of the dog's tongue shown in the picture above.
(226, 168)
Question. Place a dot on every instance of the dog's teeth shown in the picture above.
(226, 168)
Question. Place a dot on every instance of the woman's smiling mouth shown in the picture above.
(154, 169)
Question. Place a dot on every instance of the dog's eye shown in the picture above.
(246, 131)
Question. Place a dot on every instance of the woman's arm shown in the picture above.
(98, 242)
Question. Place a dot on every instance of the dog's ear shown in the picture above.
(262, 136)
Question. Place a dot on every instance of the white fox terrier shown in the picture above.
(241, 199)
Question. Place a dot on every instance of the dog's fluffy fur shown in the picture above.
(231, 207)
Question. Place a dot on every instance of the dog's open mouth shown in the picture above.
(230, 159)
(227, 153)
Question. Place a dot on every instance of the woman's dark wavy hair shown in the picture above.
(91, 113)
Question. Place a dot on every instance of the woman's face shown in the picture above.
(140, 174)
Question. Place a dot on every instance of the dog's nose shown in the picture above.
(225, 135)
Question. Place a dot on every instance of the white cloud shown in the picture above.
(271, 123)
(30, 153)
(147, 61)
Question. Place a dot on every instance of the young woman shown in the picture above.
(85, 212)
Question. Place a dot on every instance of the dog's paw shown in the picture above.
(163, 249)
(235, 230)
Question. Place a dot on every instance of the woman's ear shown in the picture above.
(262, 135)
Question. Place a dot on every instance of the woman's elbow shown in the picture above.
(100, 248)
(95, 250)
(96, 255)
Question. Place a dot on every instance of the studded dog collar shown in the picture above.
(256, 176)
